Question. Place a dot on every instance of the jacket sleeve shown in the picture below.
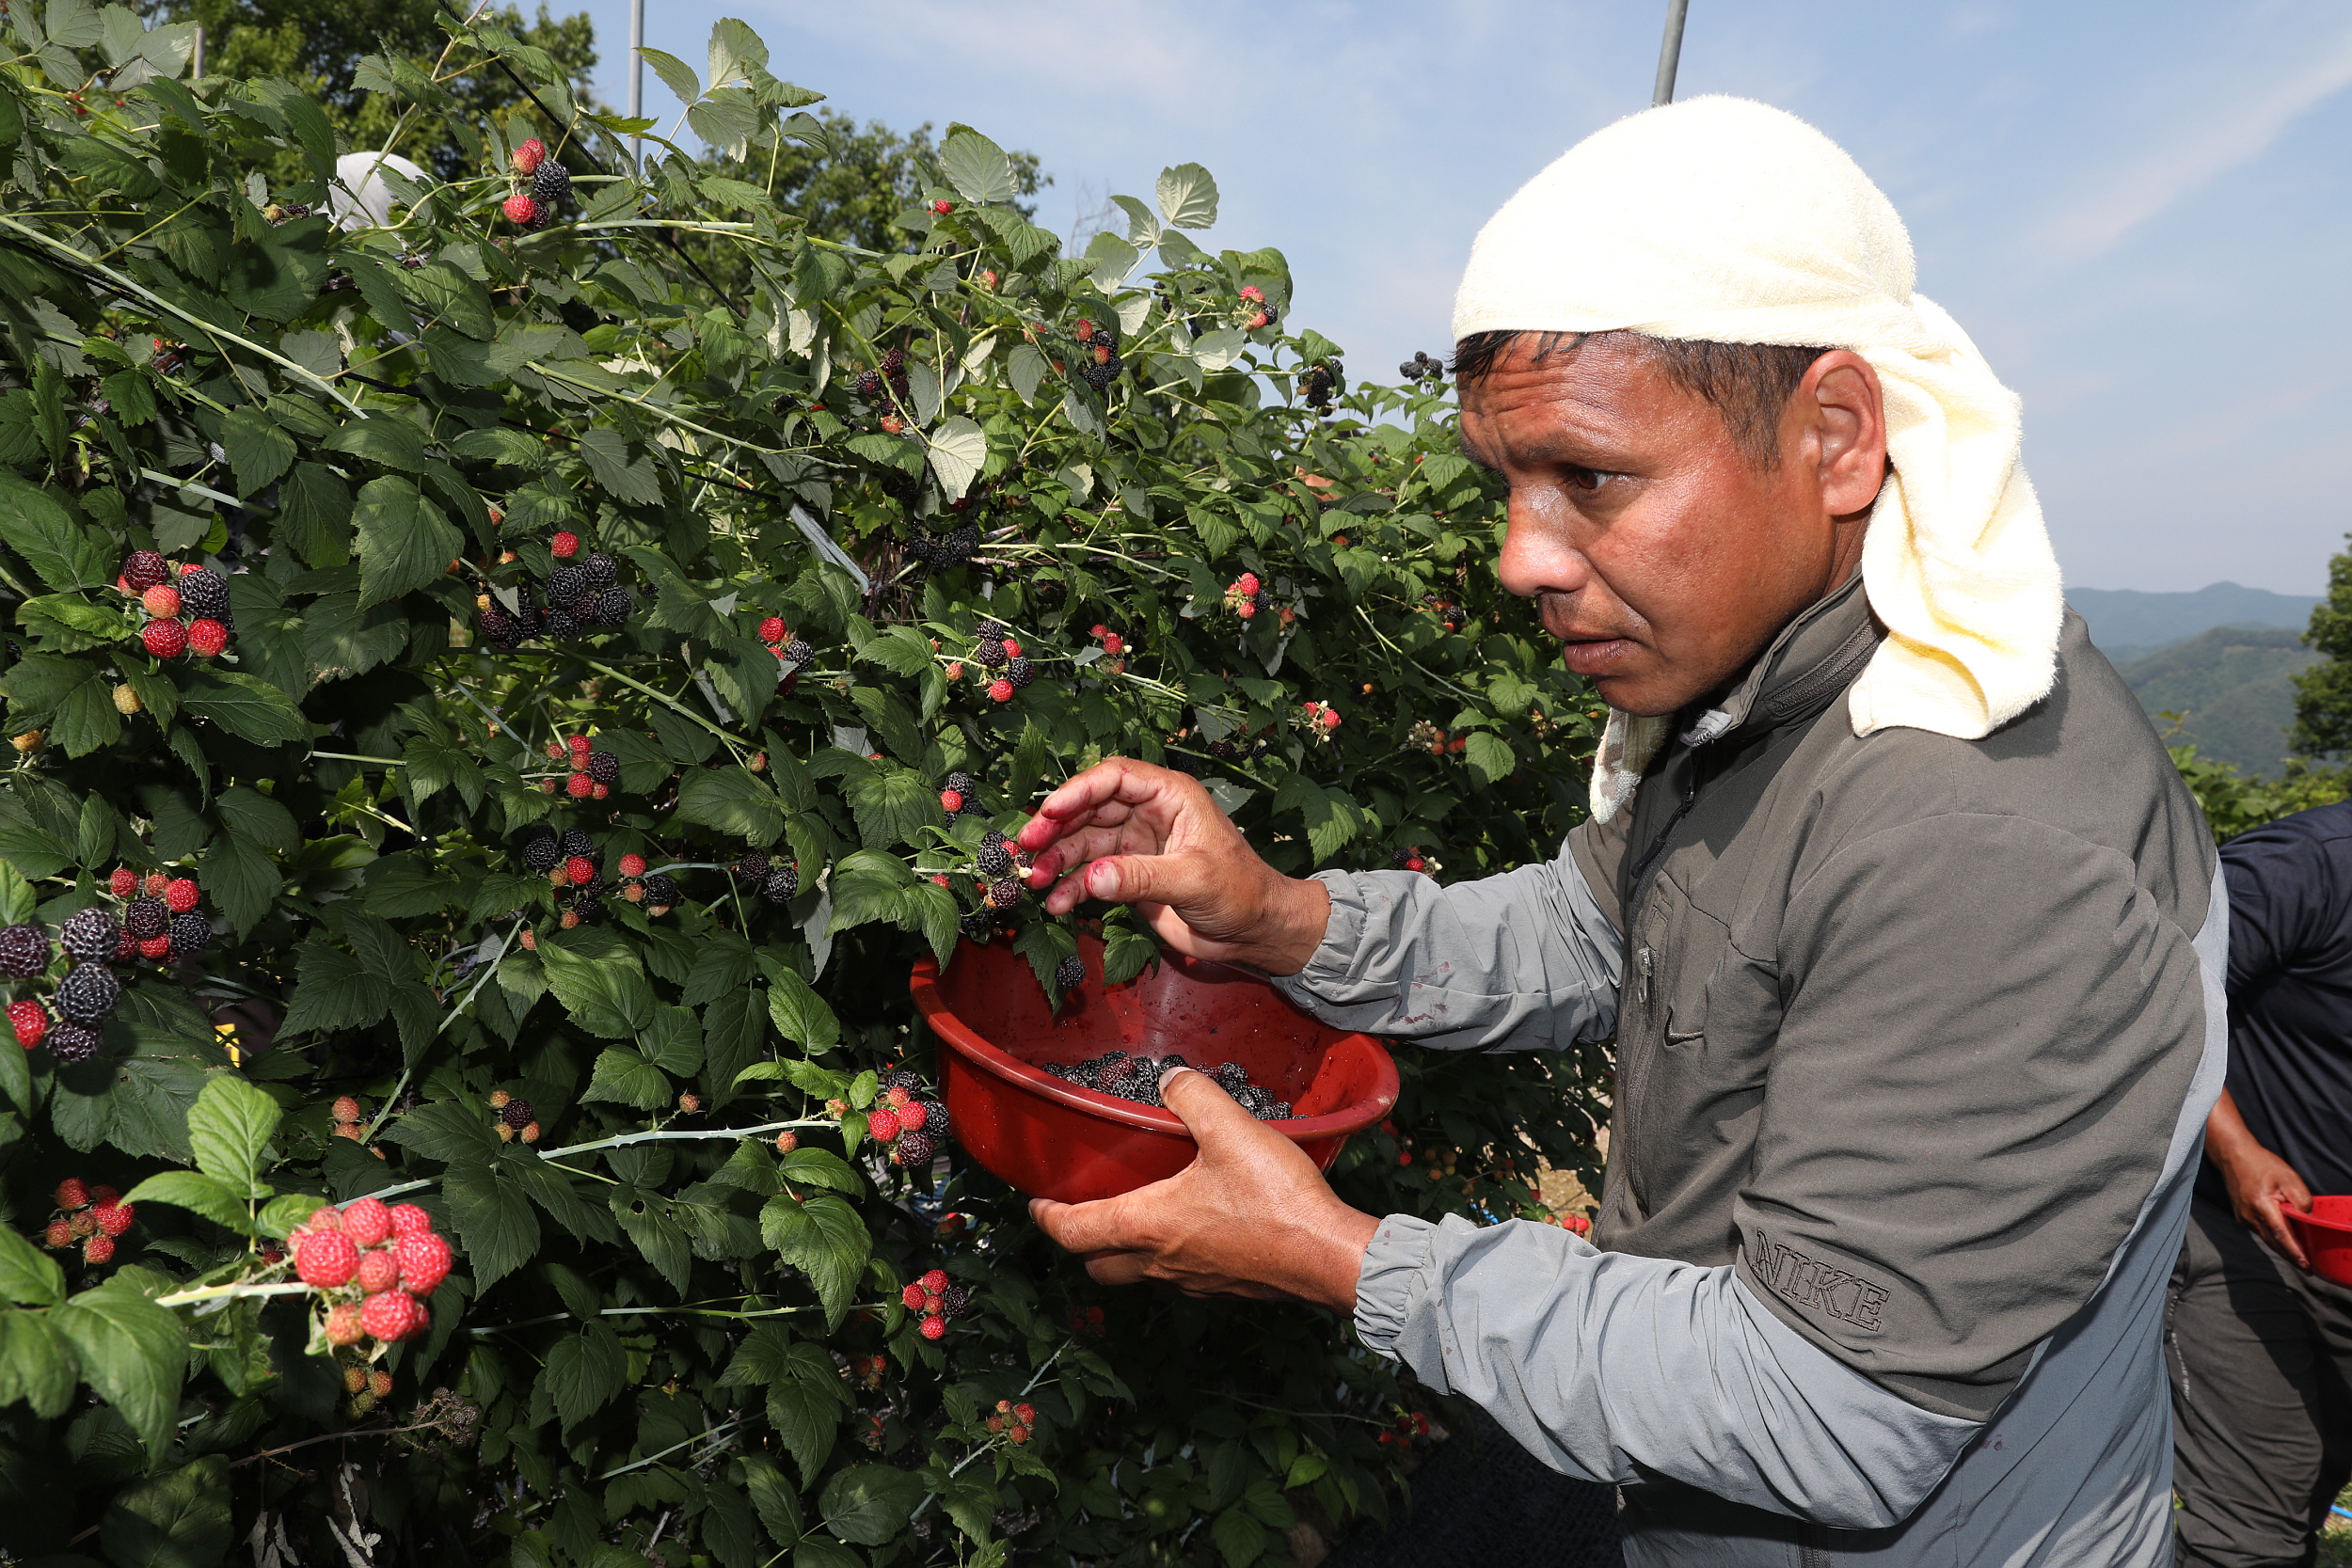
(1615, 1368)
(1523, 961)
(2280, 902)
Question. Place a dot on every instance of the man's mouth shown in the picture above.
(1594, 654)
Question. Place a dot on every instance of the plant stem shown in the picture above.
(212, 1292)
(623, 1140)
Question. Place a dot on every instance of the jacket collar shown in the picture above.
(1816, 656)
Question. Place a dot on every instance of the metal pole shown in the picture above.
(1669, 52)
(637, 78)
(196, 56)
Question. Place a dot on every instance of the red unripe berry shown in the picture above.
(113, 1218)
(346, 1110)
(161, 601)
(1099, 632)
(325, 1259)
(155, 947)
(155, 883)
(881, 1124)
(579, 787)
(164, 638)
(912, 1116)
(955, 671)
(99, 1249)
(580, 745)
(1114, 643)
(124, 883)
(943, 207)
(632, 865)
(342, 1324)
(580, 870)
(207, 637)
(773, 629)
(1246, 583)
(599, 792)
(409, 1219)
(378, 1270)
(59, 1236)
(424, 1260)
(563, 545)
(950, 801)
(1253, 293)
(529, 155)
(521, 209)
(1013, 647)
(180, 894)
(72, 1195)
(1331, 718)
(102, 1194)
(912, 1295)
(367, 1221)
(1246, 609)
(786, 1143)
(555, 751)
(1000, 690)
(393, 1316)
(935, 1281)
(30, 1021)
(896, 1100)
(934, 1328)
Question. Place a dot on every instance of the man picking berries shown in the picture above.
(1907, 935)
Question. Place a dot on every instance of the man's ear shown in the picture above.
(1841, 393)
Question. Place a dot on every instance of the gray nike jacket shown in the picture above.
(1916, 1040)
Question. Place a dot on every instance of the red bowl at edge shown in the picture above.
(1053, 1139)
(2325, 1233)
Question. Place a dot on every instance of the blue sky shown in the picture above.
(2141, 212)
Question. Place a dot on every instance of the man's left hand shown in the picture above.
(1250, 1216)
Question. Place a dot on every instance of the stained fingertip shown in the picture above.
(1169, 1076)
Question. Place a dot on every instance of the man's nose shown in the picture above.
(1538, 556)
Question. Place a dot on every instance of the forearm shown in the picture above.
(2227, 1140)
(1608, 1366)
(1519, 962)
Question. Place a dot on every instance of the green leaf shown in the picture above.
(675, 74)
(632, 479)
(314, 516)
(820, 1167)
(893, 805)
(257, 449)
(868, 1504)
(723, 964)
(229, 1127)
(280, 1214)
(245, 706)
(334, 992)
(777, 1501)
(199, 1194)
(242, 880)
(1025, 366)
(605, 996)
(547, 1185)
(958, 452)
(626, 1078)
(1239, 1539)
(798, 1012)
(734, 800)
(133, 1351)
(385, 439)
(62, 553)
(180, 1519)
(1489, 756)
(1187, 197)
(404, 541)
(495, 1225)
(644, 1218)
(673, 1041)
(36, 1365)
(584, 1371)
(824, 1239)
(17, 897)
(85, 720)
(27, 1278)
(978, 167)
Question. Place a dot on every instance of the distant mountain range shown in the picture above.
(2221, 660)
(2126, 622)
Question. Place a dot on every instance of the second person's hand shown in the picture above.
(1128, 832)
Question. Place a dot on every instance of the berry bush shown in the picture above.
(505, 677)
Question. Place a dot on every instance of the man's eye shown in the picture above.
(1584, 479)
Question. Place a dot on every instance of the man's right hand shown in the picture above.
(1128, 832)
(2262, 1186)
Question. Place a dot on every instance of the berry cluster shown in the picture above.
(550, 184)
(776, 880)
(1409, 1425)
(1422, 368)
(367, 1386)
(1098, 354)
(572, 864)
(1115, 647)
(1427, 736)
(936, 1299)
(1244, 595)
(1581, 1224)
(912, 1127)
(792, 651)
(1409, 859)
(350, 1119)
(889, 376)
(188, 610)
(1016, 1422)
(1086, 1321)
(373, 1265)
(1318, 718)
(960, 795)
(998, 654)
(581, 596)
(93, 1217)
(1319, 381)
(940, 555)
(595, 774)
(1242, 745)
(1448, 615)
(159, 921)
(1137, 1079)
(1256, 312)
(1001, 865)
(513, 1117)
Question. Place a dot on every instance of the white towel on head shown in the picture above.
(1729, 221)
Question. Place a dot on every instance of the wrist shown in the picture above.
(1298, 911)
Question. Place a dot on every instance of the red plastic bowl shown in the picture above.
(1055, 1140)
(2325, 1233)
